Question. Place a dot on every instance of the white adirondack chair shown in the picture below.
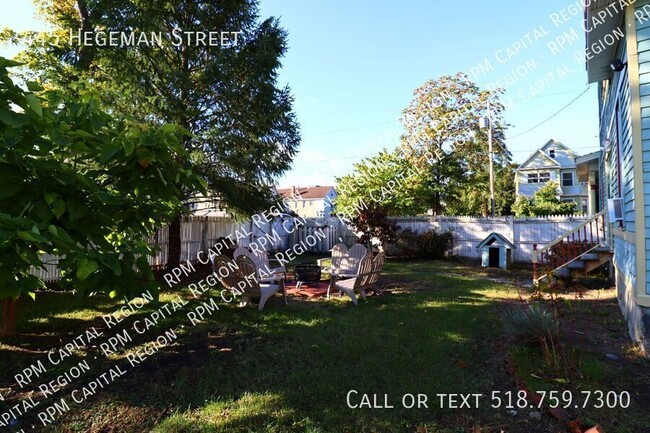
(349, 263)
(266, 273)
(356, 283)
(238, 278)
(377, 267)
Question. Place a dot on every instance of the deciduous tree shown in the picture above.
(82, 186)
(243, 133)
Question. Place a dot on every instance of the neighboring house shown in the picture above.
(620, 67)
(310, 201)
(553, 162)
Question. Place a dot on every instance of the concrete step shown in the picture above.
(603, 249)
(590, 256)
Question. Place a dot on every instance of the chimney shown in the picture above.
(293, 191)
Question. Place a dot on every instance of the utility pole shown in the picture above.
(487, 122)
(491, 161)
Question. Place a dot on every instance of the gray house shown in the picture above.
(553, 162)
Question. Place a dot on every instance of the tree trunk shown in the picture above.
(9, 315)
(174, 246)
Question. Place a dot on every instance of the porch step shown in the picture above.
(576, 264)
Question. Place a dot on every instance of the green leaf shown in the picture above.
(34, 103)
(169, 128)
(13, 119)
(112, 262)
(59, 233)
(58, 208)
(50, 197)
(128, 147)
(76, 209)
(6, 63)
(29, 236)
(10, 190)
(34, 86)
(83, 134)
(86, 267)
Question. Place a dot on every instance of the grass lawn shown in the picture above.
(436, 328)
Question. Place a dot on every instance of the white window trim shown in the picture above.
(573, 183)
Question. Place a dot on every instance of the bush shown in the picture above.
(427, 245)
(531, 322)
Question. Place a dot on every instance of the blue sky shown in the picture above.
(353, 67)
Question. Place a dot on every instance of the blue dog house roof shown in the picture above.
(496, 240)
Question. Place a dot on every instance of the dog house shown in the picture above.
(496, 251)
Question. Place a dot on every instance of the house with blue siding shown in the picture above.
(553, 162)
(622, 73)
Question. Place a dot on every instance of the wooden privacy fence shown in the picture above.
(468, 232)
(315, 235)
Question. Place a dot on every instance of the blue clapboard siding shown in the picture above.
(643, 47)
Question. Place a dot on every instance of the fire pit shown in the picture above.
(307, 273)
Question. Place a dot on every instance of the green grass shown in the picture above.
(436, 328)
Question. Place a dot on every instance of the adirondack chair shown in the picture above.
(356, 283)
(237, 277)
(345, 262)
(266, 273)
(377, 267)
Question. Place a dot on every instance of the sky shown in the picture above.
(353, 67)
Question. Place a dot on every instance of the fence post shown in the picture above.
(534, 262)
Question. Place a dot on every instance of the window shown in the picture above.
(567, 179)
(551, 153)
(539, 177)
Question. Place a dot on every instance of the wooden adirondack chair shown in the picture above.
(357, 283)
(241, 276)
(375, 273)
(345, 262)
(266, 272)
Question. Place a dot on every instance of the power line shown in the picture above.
(551, 116)
(388, 122)
(350, 129)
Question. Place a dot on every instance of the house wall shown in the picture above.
(314, 207)
(643, 51)
(528, 189)
(625, 121)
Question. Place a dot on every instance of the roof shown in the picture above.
(602, 18)
(541, 151)
(498, 239)
(306, 192)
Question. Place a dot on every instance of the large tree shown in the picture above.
(82, 186)
(444, 137)
(243, 133)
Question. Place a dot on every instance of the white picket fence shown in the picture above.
(468, 232)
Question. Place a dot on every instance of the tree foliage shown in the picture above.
(385, 181)
(83, 186)
(243, 133)
(544, 202)
(444, 138)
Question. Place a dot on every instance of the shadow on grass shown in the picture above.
(290, 368)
